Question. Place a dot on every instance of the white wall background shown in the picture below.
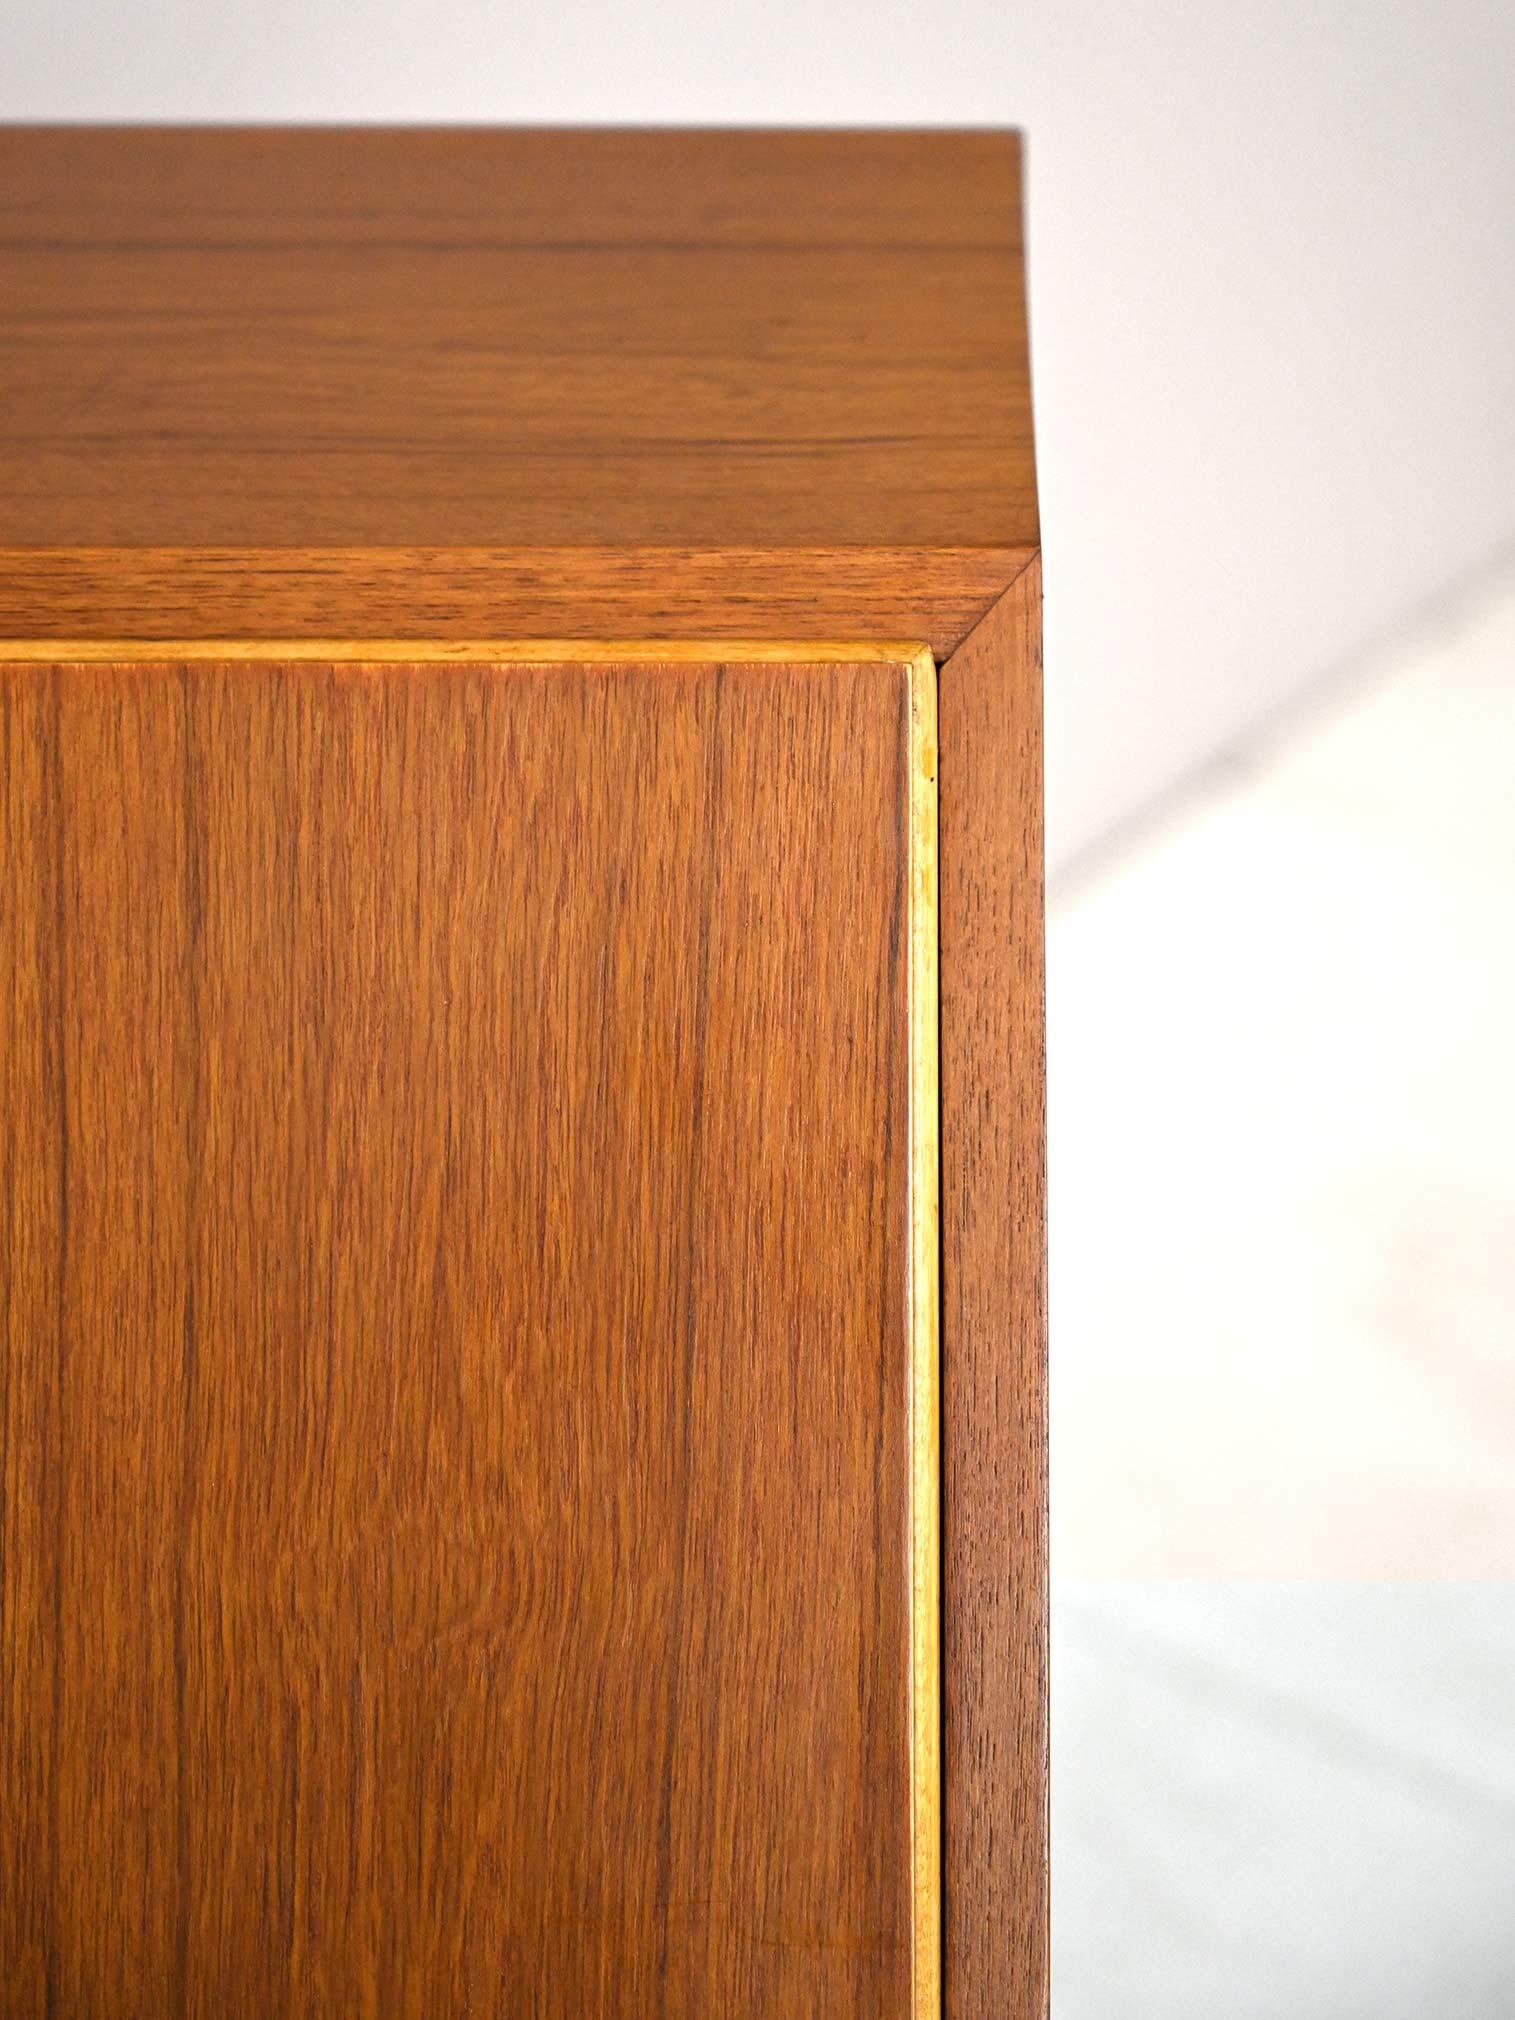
(1273, 276)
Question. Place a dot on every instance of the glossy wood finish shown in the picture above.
(621, 344)
(994, 1396)
(457, 1445)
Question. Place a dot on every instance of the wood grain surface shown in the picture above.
(994, 1395)
(529, 186)
(794, 350)
(457, 1439)
(257, 593)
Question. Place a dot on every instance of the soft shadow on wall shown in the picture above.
(1283, 1366)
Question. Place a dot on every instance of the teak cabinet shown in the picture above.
(521, 1215)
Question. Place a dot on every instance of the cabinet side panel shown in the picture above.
(994, 1442)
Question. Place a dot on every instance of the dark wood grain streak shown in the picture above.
(454, 1341)
(994, 1429)
(932, 595)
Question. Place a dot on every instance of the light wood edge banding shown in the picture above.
(492, 651)
(925, 1350)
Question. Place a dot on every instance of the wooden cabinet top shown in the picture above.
(327, 382)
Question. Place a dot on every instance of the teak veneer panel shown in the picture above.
(792, 354)
(467, 1339)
